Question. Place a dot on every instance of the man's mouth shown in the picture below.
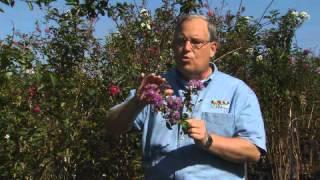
(186, 58)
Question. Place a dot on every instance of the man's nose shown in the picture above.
(187, 46)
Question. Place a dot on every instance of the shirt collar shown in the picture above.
(182, 83)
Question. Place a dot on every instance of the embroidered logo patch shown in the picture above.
(220, 104)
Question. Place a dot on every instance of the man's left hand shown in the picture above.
(198, 131)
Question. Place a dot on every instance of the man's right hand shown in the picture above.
(150, 79)
(120, 118)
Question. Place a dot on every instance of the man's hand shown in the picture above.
(198, 131)
(234, 149)
(120, 118)
(151, 79)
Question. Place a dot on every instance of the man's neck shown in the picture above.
(198, 76)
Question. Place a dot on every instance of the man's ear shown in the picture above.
(213, 48)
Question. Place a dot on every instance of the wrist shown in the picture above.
(208, 142)
(136, 101)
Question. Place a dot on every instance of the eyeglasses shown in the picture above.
(195, 43)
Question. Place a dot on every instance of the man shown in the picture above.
(226, 129)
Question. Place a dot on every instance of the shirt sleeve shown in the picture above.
(138, 123)
(249, 122)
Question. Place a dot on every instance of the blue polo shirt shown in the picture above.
(228, 107)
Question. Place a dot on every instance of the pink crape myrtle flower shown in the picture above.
(36, 109)
(114, 90)
(169, 105)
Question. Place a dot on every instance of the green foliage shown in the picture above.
(56, 87)
(54, 103)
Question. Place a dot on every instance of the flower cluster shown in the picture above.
(259, 58)
(172, 108)
(170, 105)
(146, 23)
(32, 91)
(7, 136)
(36, 109)
(153, 95)
(250, 51)
(114, 90)
(144, 12)
(194, 86)
(302, 16)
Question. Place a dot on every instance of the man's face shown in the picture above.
(192, 49)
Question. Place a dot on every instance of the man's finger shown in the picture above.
(152, 78)
(193, 131)
(192, 123)
(168, 92)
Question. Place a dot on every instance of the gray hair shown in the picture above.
(211, 27)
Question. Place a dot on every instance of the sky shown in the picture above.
(307, 37)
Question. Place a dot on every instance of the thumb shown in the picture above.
(141, 82)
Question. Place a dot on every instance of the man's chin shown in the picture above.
(187, 70)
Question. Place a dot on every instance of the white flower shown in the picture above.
(143, 25)
(117, 34)
(29, 71)
(304, 15)
(104, 175)
(235, 53)
(250, 51)
(247, 18)
(144, 12)
(148, 26)
(7, 136)
(259, 58)
(294, 13)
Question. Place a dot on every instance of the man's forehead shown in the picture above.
(195, 27)
(192, 35)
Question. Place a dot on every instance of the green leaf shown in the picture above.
(184, 126)
(185, 116)
(110, 12)
(53, 80)
(30, 5)
(7, 2)
(72, 2)
(91, 92)
(41, 86)
(168, 124)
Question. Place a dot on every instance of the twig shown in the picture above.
(144, 3)
(221, 57)
(238, 13)
(309, 122)
(13, 31)
(264, 12)
(239, 9)
(222, 6)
